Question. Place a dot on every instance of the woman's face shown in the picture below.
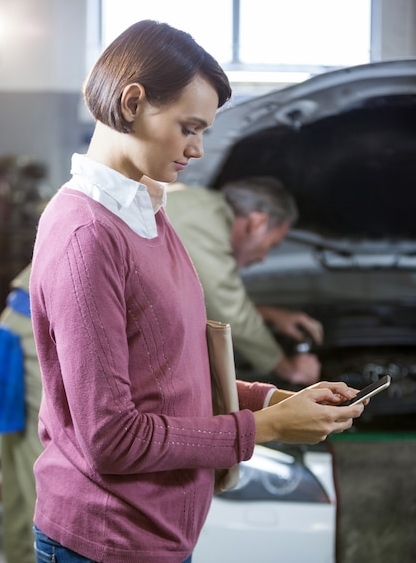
(166, 138)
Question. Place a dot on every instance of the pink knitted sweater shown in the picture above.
(130, 442)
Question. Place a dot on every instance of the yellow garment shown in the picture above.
(203, 221)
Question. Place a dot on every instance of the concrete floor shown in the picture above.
(376, 498)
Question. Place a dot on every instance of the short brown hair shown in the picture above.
(164, 60)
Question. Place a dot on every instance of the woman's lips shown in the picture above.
(180, 165)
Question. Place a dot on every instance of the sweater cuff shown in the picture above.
(252, 395)
(246, 434)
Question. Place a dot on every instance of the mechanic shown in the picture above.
(226, 230)
(20, 448)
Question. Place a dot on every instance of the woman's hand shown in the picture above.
(308, 416)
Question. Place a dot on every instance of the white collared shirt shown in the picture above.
(126, 198)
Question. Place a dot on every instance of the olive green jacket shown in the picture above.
(203, 221)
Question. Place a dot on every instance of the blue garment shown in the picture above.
(49, 551)
(12, 384)
(18, 300)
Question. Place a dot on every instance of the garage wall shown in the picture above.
(394, 29)
(42, 67)
(42, 43)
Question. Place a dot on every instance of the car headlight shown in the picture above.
(274, 475)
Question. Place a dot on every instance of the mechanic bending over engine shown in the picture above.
(226, 230)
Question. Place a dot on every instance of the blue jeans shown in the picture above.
(50, 551)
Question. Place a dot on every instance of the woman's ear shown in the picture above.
(131, 98)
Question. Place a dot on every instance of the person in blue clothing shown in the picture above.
(20, 444)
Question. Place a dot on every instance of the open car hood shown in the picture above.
(344, 143)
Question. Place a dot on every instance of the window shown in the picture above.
(261, 37)
(209, 22)
(303, 33)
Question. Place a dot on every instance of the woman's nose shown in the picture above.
(195, 148)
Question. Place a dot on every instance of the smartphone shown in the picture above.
(368, 391)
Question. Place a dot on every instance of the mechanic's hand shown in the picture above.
(308, 416)
(291, 323)
(301, 369)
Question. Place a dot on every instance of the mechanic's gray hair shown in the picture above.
(265, 194)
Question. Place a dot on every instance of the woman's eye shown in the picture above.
(186, 131)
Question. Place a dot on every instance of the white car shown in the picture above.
(283, 509)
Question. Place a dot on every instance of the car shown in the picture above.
(344, 143)
(283, 508)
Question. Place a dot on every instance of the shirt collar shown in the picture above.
(127, 198)
(122, 189)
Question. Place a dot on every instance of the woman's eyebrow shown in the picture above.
(199, 121)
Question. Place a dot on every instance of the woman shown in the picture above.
(130, 442)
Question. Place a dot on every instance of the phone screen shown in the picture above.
(368, 391)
